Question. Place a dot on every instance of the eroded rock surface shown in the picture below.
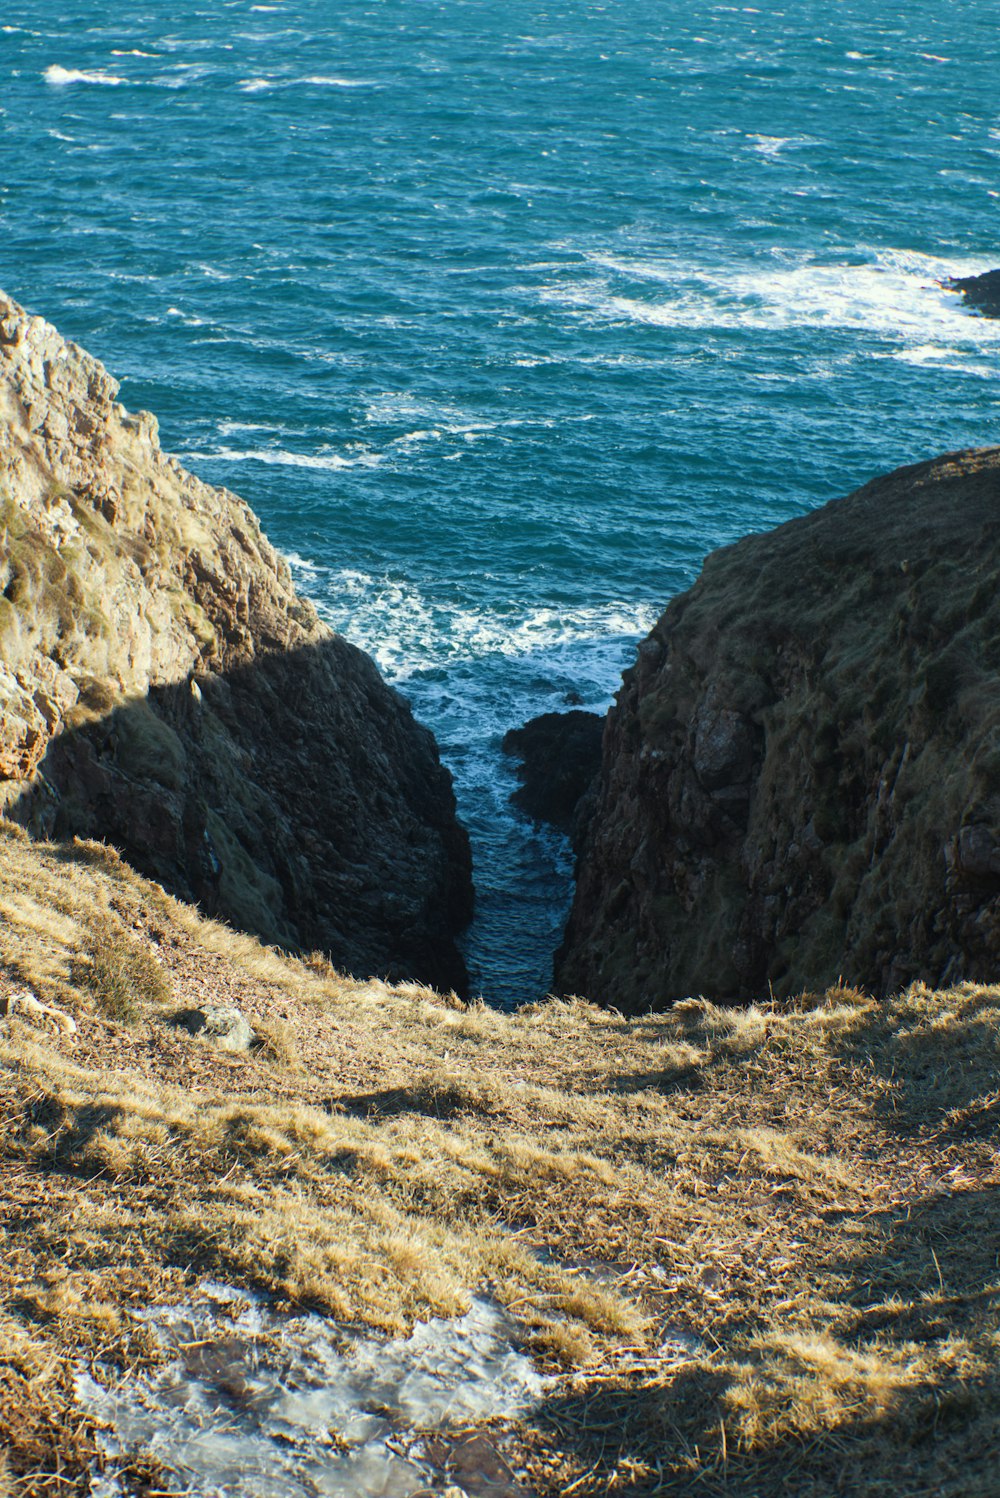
(163, 687)
(801, 776)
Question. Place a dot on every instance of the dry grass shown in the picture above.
(759, 1246)
(121, 974)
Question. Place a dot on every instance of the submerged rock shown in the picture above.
(164, 688)
(560, 756)
(980, 292)
(801, 776)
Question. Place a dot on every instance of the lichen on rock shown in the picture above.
(801, 775)
(163, 687)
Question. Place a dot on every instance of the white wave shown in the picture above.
(950, 360)
(263, 85)
(413, 439)
(927, 353)
(407, 632)
(439, 419)
(319, 81)
(60, 77)
(230, 428)
(280, 458)
(186, 318)
(773, 145)
(302, 566)
(396, 406)
(193, 44)
(893, 294)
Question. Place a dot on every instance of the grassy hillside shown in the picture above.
(758, 1247)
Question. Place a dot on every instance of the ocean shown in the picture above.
(502, 316)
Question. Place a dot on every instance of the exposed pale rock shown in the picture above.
(163, 687)
(801, 775)
(28, 1007)
(222, 1025)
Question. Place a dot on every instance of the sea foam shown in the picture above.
(281, 458)
(61, 77)
(891, 294)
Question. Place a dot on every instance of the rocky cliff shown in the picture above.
(163, 687)
(801, 775)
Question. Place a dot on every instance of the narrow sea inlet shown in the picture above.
(502, 318)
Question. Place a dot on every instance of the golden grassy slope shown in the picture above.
(808, 1191)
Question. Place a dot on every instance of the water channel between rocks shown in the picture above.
(295, 1406)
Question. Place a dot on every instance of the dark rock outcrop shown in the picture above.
(801, 776)
(163, 687)
(980, 292)
(560, 756)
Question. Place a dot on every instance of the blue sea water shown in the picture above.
(503, 315)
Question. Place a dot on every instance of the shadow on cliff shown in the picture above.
(926, 1293)
(295, 798)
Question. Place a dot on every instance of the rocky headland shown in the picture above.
(163, 687)
(801, 775)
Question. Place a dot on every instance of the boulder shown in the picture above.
(221, 1025)
(982, 293)
(560, 755)
(801, 774)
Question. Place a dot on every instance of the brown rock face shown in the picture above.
(163, 687)
(801, 776)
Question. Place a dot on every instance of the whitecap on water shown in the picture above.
(188, 319)
(885, 293)
(287, 1405)
(772, 146)
(322, 82)
(407, 632)
(282, 458)
(268, 84)
(60, 77)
